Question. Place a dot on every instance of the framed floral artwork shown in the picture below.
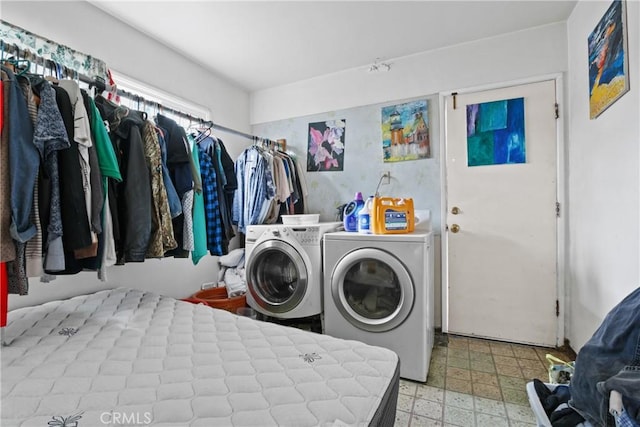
(326, 146)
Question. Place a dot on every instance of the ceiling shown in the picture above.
(263, 44)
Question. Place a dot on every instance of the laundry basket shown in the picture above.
(217, 298)
(538, 410)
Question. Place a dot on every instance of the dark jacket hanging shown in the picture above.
(134, 192)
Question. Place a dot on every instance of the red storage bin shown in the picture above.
(218, 298)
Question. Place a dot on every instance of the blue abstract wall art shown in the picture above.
(495, 133)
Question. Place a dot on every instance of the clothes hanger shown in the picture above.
(20, 66)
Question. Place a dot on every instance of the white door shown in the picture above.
(501, 214)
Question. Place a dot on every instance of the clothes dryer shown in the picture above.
(284, 268)
(378, 289)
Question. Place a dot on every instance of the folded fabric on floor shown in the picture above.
(232, 274)
(555, 404)
(609, 361)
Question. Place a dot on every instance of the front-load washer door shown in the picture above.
(372, 289)
(276, 276)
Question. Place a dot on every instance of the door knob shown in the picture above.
(455, 210)
(455, 228)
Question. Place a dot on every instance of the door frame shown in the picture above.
(560, 193)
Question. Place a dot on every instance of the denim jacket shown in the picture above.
(610, 360)
(24, 162)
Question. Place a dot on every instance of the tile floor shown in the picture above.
(474, 382)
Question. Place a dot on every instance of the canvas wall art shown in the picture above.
(495, 133)
(608, 62)
(405, 132)
(325, 150)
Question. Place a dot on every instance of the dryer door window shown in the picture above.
(372, 289)
(276, 276)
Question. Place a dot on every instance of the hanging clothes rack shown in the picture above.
(101, 85)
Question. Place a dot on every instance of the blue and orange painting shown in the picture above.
(495, 133)
(405, 131)
(608, 63)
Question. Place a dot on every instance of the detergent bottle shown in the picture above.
(351, 213)
(364, 217)
(392, 216)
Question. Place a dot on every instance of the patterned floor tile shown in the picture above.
(480, 348)
(481, 357)
(461, 386)
(427, 408)
(430, 393)
(458, 373)
(458, 416)
(458, 342)
(512, 382)
(486, 420)
(418, 421)
(435, 380)
(511, 371)
(505, 360)
(408, 387)
(487, 391)
(484, 378)
(458, 363)
(522, 352)
(520, 413)
(531, 364)
(488, 367)
(458, 352)
(502, 349)
(516, 396)
(474, 382)
(459, 400)
(405, 403)
(402, 419)
(439, 351)
(541, 374)
(437, 367)
(490, 406)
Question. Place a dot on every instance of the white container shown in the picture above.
(537, 408)
(364, 217)
(303, 219)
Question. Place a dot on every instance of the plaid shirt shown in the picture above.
(211, 204)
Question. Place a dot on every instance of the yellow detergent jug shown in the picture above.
(392, 216)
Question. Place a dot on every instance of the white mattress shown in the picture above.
(128, 357)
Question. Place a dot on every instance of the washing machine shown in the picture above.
(378, 289)
(284, 268)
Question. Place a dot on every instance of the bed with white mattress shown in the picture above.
(127, 357)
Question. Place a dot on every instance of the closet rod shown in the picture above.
(246, 135)
(203, 122)
(100, 84)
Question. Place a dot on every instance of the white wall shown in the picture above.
(356, 95)
(603, 181)
(513, 56)
(85, 28)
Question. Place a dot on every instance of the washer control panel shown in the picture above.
(306, 235)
